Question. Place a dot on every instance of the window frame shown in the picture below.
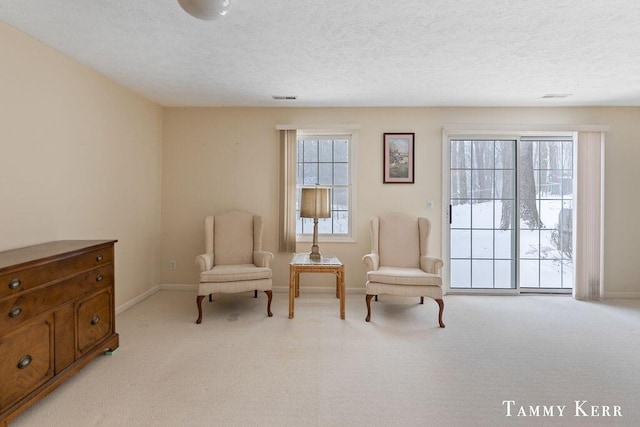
(351, 135)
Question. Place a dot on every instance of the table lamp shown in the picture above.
(315, 203)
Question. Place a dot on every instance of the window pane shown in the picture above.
(529, 244)
(461, 213)
(529, 273)
(325, 172)
(526, 155)
(307, 225)
(503, 274)
(324, 226)
(460, 154)
(504, 215)
(482, 154)
(340, 199)
(340, 222)
(505, 184)
(550, 274)
(482, 274)
(460, 243)
(326, 150)
(548, 248)
(460, 273)
(460, 184)
(482, 244)
(340, 174)
(482, 215)
(310, 151)
(504, 154)
(482, 184)
(550, 213)
(341, 150)
(310, 173)
(567, 155)
(528, 183)
(529, 217)
(503, 244)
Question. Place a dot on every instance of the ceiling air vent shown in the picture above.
(284, 97)
(556, 95)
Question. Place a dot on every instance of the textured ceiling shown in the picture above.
(352, 52)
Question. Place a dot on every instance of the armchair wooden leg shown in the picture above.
(199, 304)
(210, 297)
(255, 293)
(441, 305)
(269, 296)
(421, 300)
(368, 299)
(376, 297)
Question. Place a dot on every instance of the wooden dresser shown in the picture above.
(57, 313)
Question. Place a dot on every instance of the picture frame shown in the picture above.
(398, 167)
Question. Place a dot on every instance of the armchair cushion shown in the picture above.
(235, 273)
(404, 276)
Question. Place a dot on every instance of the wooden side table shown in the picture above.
(300, 263)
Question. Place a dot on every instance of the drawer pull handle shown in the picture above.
(99, 258)
(95, 319)
(15, 283)
(24, 361)
(99, 278)
(15, 312)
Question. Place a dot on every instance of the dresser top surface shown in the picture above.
(43, 251)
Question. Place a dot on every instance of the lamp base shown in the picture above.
(315, 253)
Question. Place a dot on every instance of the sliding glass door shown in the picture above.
(511, 213)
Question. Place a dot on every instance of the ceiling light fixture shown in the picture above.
(207, 10)
(284, 97)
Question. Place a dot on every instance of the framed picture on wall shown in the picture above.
(398, 158)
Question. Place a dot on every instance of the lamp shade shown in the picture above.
(207, 10)
(315, 202)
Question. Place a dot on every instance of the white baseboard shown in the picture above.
(178, 287)
(127, 305)
(277, 289)
(194, 287)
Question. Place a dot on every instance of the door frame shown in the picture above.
(471, 131)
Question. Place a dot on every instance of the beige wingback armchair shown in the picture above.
(234, 260)
(398, 263)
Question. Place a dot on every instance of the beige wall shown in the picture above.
(80, 158)
(83, 158)
(216, 159)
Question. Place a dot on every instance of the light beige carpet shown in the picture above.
(240, 368)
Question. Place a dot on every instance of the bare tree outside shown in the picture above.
(527, 186)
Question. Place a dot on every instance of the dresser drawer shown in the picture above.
(22, 280)
(94, 320)
(26, 305)
(27, 359)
